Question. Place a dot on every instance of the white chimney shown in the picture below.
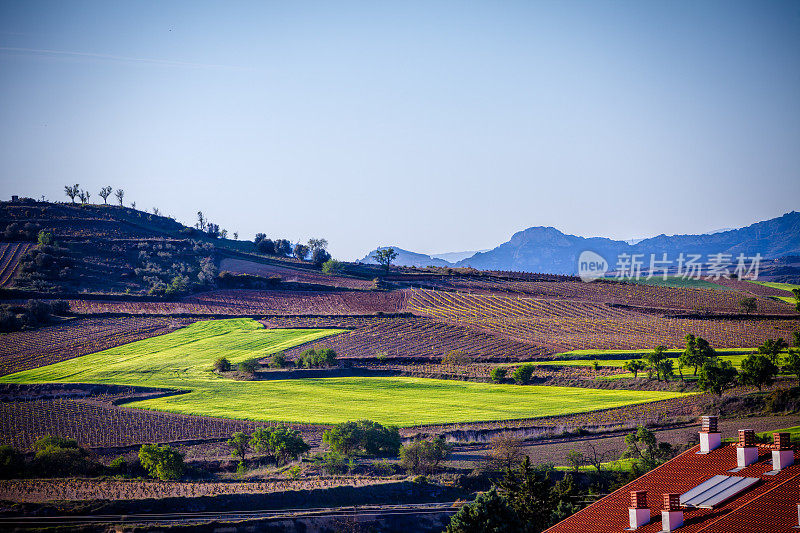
(672, 515)
(710, 438)
(638, 512)
(784, 455)
(746, 451)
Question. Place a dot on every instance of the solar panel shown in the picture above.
(716, 490)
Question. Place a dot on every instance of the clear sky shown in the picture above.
(433, 126)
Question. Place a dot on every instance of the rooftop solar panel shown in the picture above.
(716, 490)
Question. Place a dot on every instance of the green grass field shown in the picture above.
(788, 287)
(182, 360)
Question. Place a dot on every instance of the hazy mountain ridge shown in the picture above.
(547, 250)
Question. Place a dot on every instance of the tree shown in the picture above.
(201, 221)
(45, 238)
(748, 305)
(527, 490)
(523, 373)
(505, 452)
(498, 374)
(796, 293)
(105, 192)
(595, 456)
(332, 267)
(239, 443)
(72, 191)
(320, 257)
(643, 448)
(656, 360)
(280, 443)
(772, 349)
(757, 370)
(697, 352)
(575, 459)
(161, 462)
(365, 435)
(120, 194)
(317, 244)
(716, 376)
(264, 245)
(423, 456)
(635, 366)
(792, 363)
(283, 247)
(212, 230)
(300, 251)
(385, 257)
(489, 513)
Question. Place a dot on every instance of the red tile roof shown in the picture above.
(769, 506)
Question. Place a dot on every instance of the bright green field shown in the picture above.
(782, 286)
(183, 359)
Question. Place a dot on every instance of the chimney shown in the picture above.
(746, 451)
(710, 438)
(672, 515)
(638, 512)
(784, 455)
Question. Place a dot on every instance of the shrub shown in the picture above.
(498, 374)
(280, 443)
(456, 357)
(161, 462)
(424, 456)
(363, 436)
(249, 365)
(279, 360)
(316, 358)
(332, 266)
(10, 462)
(222, 364)
(333, 463)
(523, 374)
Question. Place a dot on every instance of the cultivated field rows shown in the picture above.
(10, 254)
(563, 325)
(301, 275)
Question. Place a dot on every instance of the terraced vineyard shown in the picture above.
(611, 292)
(421, 339)
(565, 325)
(302, 275)
(23, 350)
(10, 254)
(248, 302)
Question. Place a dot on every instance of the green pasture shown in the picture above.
(182, 360)
(788, 287)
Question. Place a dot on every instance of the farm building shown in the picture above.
(716, 486)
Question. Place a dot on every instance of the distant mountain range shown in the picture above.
(547, 250)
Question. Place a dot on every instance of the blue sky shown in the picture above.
(434, 126)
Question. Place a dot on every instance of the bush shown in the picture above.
(424, 456)
(11, 462)
(332, 266)
(222, 365)
(498, 374)
(523, 374)
(58, 456)
(279, 360)
(456, 357)
(280, 443)
(316, 358)
(333, 463)
(161, 462)
(249, 365)
(363, 436)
